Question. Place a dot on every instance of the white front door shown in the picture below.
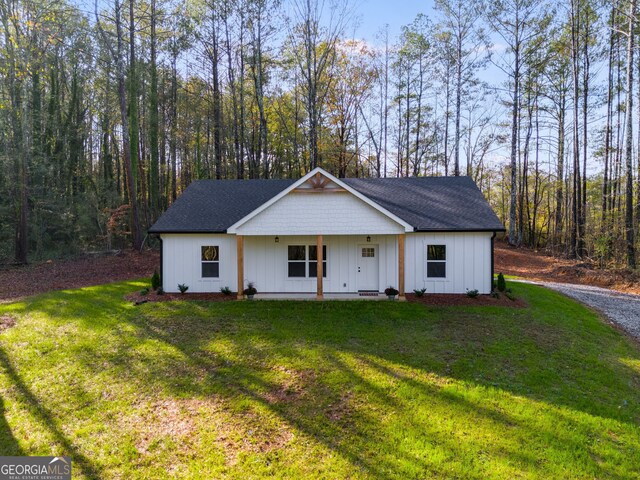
(368, 268)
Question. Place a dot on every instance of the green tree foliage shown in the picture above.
(106, 117)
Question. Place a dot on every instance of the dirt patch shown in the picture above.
(169, 418)
(534, 265)
(461, 300)
(292, 388)
(342, 409)
(85, 271)
(254, 434)
(138, 298)
(181, 420)
(6, 322)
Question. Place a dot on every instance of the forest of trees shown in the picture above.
(109, 110)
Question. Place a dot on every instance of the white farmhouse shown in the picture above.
(321, 234)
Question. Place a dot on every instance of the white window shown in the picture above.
(210, 261)
(303, 261)
(436, 261)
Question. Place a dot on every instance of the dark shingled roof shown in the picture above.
(431, 203)
(212, 206)
(426, 203)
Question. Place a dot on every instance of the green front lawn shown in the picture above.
(319, 390)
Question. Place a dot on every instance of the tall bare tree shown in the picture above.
(317, 27)
(628, 143)
(519, 23)
(461, 19)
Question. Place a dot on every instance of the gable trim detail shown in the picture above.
(233, 229)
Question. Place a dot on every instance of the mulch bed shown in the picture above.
(438, 300)
(456, 300)
(84, 271)
(138, 298)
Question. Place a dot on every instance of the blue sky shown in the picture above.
(374, 14)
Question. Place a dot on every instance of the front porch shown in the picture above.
(314, 296)
(340, 267)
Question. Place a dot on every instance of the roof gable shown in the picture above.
(320, 180)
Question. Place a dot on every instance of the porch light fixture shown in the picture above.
(368, 239)
(277, 239)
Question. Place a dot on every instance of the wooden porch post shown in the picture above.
(319, 270)
(401, 266)
(240, 254)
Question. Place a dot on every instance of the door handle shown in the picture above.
(358, 269)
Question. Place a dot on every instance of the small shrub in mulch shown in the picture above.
(461, 300)
(138, 299)
(501, 284)
(156, 283)
(6, 322)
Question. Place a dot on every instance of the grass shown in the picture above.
(318, 390)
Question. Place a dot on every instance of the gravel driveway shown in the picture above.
(621, 308)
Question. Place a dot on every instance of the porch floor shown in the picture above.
(312, 296)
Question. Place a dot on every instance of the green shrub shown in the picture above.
(183, 287)
(502, 284)
(419, 293)
(226, 291)
(160, 291)
(144, 291)
(155, 280)
(472, 293)
(510, 296)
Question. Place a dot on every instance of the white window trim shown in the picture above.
(306, 263)
(202, 279)
(446, 261)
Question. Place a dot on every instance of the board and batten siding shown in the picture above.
(266, 262)
(468, 262)
(181, 262)
(320, 214)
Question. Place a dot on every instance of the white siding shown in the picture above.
(468, 262)
(325, 214)
(265, 263)
(181, 262)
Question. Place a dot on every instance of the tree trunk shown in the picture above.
(576, 195)
(582, 251)
(153, 121)
(217, 98)
(631, 251)
(515, 113)
(559, 226)
(132, 170)
(456, 144)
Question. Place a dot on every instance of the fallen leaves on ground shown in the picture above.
(534, 265)
(84, 271)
